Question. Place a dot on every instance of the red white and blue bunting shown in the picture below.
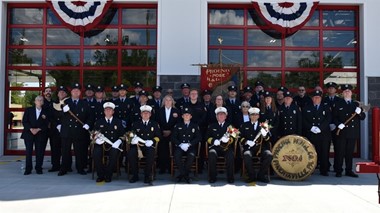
(80, 16)
(286, 17)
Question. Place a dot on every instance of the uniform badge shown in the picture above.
(152, 129)
(294, 111)
(193, 130)
(43, 116)
(323, 112)
(115, 127)
(101, 126)
(179, 128)
(175, 115)
(308, 111)
(138, 130)
(214, 130)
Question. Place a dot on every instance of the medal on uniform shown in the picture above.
(43, 116)
(323, 112)
(294, 112)
(101, 126)
(175, 115)
(115, 127)
(152, 129)
(193, 130)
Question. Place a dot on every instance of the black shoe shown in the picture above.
(53, 170)
(230, 180)
(263, 179)
(98, 180)
(89, 170)
(324, 174)
(338, 174)
(61, 173)
(162, 171)
(187, 179)
(352, 174)
(179, 178)
(250, 180)
(108, 179)
(133, 179)
(27, 172)
(70, 170)
(39, 172)
(147, 181)
(212, 180)
(82, 172)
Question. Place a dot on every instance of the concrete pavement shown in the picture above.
(78, 193)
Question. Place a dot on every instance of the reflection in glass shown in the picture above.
(61, 77)
(64, 57)
(259, 38)
(25, 57)
(339, 59)
(306, 79)
(51, 18)
(14, 142)
(264, 58)
(26, 15)
(226, 17)
(137, 37)
(341, 78)
(14, 118)
(100, 57)
(147, 78)
(111, 17)
(105, 78)
(139, 58)
(22, 98)
(228, 57)
(146, 16)
(106, 37)
(271, 79)
(339, 38)
(24, 78)
(25, 36)
(339, 18)
(303, 38)
(314, 20)
(230, 37)
(61, 37)
(254, 18)
(302, 59)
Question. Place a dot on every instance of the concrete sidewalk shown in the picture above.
(78, 193)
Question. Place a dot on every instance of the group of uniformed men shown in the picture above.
(188, 122)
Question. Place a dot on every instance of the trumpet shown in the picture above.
(98, 135)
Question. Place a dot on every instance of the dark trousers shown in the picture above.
(163, 154)
(104, 170)
(148, 153)
(39, 142)
(322, 147)
(213, 154)
(184, 168)
(265, 161)
(345, 150)
(55, 148)
(335, 146)
(80, 151)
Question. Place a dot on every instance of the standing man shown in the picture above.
(156, 101)
(185, 99)
(215, 137)
(186, 137)
(316, 120)
(290, 118)
(349, 130)
(123, 107)
(74, 133)
(253, 146)
(55, 140)
(114, 93)
(259, 91)
(35, 122)
(112, 128)
(280, 96)
(302, 99)
(147, 131)
(99, 102)
(232, 102)
(138, 88)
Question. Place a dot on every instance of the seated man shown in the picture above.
(186, 136)
(255, 141)
(147, 135)
(111, 129)
(216, 136)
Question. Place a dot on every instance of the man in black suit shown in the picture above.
(111, 128)
(232, 101)
(138, 88)
(35, 122)
(167, 117)
(156, 101)
(216, 136)
(123, 107)
(316, 118)
(302, 99)
(349, 130)
(114, 93)
(99, 102)
(74, 133)
(290, 117)
(185, 99)
(253, 146)
(186, 136)
(148, 132)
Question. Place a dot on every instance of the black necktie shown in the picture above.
(348, 102)
(221, 125)
(75, 102)
(316, 107)
(232, 101)
(108, 121)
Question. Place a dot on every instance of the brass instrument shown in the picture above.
(129, 136)
(98, 135)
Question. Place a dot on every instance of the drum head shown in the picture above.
(294, 158)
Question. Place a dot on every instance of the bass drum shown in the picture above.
(294, 158)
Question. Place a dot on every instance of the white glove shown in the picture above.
(224, 139)
(341, 126)
(315, 130)
(59, 127)
(250, 143)
(332, 127)
(186, 146)
(116, 144)
(318, 130)
(86, 127)
(358, 110)
(148, 143)
(216, 142)
(99, 141)
(263, 132)
(66, 108)
(135, 140)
